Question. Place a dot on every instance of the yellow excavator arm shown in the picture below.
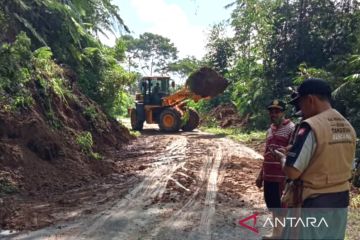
(180, 96)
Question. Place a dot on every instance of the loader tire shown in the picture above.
(136, 124)
(193, 122)
(170, 120)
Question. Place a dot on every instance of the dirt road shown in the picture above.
(182, 186)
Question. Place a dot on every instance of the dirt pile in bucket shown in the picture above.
(206, 82)
(226, 115)
(56, 144)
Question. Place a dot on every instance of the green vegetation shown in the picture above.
(355, 202)
(135, 133)
(237, 134)
(122, 103)
(277, 44)
(20, 66)
(95, 155)
(90, 113)
(184, 67)
(353, 226)
(7, 187)
(102, 79)
(150, 52)
(36, 32)
(85, 141)
(15, 73)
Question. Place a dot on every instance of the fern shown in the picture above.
(29, 26)
(43, 53)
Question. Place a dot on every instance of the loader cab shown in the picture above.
(153, 89)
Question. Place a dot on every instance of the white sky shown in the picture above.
(184, 22)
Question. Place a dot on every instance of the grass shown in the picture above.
(95, 155)
(85, 141)
(126, 122)
(123, 120)
(353, 227)
(6, 187)
(355, 201)
(237, 134)
(135, 133)
(90, 113)
(233, 133)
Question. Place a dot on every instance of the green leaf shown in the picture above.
(43, 53)
(28, 25)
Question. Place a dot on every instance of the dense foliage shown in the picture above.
(69, 29)
(277, 44)
(150, 53)
(23, 69)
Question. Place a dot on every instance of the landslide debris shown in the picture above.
(53, 144)
(225, 115)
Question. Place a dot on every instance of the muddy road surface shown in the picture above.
(178, 186)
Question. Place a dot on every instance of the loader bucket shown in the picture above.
(206, 82)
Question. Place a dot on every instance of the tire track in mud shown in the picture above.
(209, 208)
(199, 158)
(173, 227)
(129, 217)
(194, 218)
(137, 217)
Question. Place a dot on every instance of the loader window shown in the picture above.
(143, 87)
(159, 86)
(156, 89)
(163, 86)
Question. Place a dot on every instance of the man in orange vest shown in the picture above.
(320, 163)
(271, 174)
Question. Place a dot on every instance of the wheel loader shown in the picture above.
(155, 103)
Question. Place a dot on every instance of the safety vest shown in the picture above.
(277, 137)
(329, 169)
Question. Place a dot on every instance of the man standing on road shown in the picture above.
(320, 163)
(271, 174)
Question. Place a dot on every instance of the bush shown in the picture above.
(6, 187)
(16, 72)
(85, 142)
(102, 79)
(90, 113)
(19, 65)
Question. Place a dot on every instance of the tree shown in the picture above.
(252, 21)
(151, 51)
(220, 49)
(131, 51)
(274, 39)
(184, 67)
(310, 32)
(65, 26)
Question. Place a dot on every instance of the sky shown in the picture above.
(185, 22)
